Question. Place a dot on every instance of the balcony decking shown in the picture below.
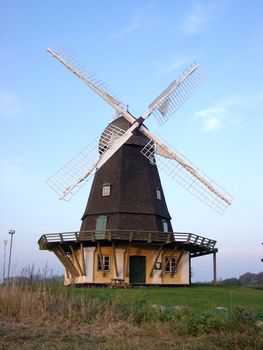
(197, 245)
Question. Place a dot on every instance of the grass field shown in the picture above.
(198, 298)
(47, 317)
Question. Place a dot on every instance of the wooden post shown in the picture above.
(149, 237)
(167, 262)
(75, 258)
(101, 259)
(214, 268)
(155, 260)
(62, 256)
(168, 238)
(83, 259)
(177, 263)
(128, 261)
(114, 259)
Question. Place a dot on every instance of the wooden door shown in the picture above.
(137, 269)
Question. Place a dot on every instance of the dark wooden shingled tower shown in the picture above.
(135, 200)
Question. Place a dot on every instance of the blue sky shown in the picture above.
(138, 48)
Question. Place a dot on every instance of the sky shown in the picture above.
(137, 47)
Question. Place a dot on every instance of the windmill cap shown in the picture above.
(137, 139)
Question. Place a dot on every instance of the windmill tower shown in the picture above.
(126, 234)
(127, 191)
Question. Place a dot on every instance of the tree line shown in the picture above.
(248, 279)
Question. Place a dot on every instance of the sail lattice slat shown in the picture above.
(72, 62)
(181, 90)
(67, 181)
(189, 177)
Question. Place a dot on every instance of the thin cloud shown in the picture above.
(134, 25)
(167, 67)
(212, 118)
(200, 15)
(223, 115)
(228, 113)
(142, 19)
(196, 20)
(213, 124)
(176, 64)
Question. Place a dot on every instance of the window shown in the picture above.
(105, 261)
(106, 189)
(101, 226)
(165, 226)
(101, 223)
(171, 265)
(158, 194)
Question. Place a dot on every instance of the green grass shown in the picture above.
(198, 298)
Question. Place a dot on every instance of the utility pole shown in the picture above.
(11, 232)
(5, 244)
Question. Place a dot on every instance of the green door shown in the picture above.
(137, 269)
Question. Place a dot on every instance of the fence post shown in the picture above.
(214, 268)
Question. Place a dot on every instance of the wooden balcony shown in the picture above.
(197, 245)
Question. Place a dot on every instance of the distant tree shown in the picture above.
(231, 282)
(246, 279)
(257, 281)
(260, 276)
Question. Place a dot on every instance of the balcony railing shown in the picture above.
(47, 240)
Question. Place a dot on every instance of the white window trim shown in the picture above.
(170, 266)
(158, 194)
(106, 190)
(104, 257)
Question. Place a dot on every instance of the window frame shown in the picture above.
(169, 268)
(101, 224)
(106, 264)
(165, 226)
(106, 190)
(158, 194)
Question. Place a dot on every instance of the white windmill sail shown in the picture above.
(186, 173)
(67, 181)
(176, 94)
(65, 56)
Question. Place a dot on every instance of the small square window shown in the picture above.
(170, 265)
(106, 190)
(105, 261)
(158, 194)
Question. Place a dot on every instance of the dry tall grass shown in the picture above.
(46, 316)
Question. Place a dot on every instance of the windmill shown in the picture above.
(126, 225)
